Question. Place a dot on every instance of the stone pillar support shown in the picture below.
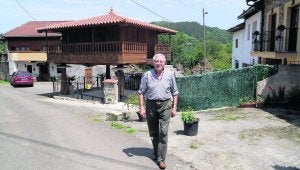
(111, 92)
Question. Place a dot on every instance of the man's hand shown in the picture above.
(142, 112)
(174, 111)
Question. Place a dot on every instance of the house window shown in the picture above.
(236, 43)
(254, 28)
(248, 32)
(236, 64)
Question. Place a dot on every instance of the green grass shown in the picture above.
(130, 130)
(193, 146)
(3, 82)
(98, 118)
(117, 125)
(127, 129)
(291, 133)
(230, 117)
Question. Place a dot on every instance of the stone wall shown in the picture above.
(111, 92)
(287, 77)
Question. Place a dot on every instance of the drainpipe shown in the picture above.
(262, 24)
(262, 7)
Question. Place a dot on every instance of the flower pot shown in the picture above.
(245, 105)
(259, 105)
(191, 128)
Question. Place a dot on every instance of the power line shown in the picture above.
(184, 4)
(150, 10)
(25, 10)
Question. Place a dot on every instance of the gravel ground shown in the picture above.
(231, 138)
(235, 138)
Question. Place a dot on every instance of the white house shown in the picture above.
(243, 38)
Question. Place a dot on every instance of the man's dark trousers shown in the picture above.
(158, 118)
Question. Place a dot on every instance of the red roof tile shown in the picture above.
(29, 29)
(110, 18)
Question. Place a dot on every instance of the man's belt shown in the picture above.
(157, 100)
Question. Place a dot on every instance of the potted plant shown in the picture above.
(132, 103)
(190, 122)
(259, 101)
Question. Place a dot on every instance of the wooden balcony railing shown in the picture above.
(163, 49)
(99, 47)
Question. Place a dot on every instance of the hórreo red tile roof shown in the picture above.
(29, 29)
(110, 18)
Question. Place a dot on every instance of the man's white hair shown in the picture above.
(159, 54)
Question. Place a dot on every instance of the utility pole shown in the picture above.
(204, 39)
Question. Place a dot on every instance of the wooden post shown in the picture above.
(121, 84)
(107, 71)
(64, 90)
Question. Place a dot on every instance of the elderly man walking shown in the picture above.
(158, 87)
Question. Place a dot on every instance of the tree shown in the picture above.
(2, 51)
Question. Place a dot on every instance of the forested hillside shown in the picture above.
(188, 47)
(194, 29)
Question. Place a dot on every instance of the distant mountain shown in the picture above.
(195, 30)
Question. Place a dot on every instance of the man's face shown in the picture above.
(159, 63)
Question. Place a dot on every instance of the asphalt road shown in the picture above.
(36, 134)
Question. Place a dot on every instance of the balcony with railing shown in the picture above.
(279, 43)
(99, 47)
(114, 52)
(164, 49)
(276, 40)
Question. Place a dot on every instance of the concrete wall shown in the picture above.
(287, 77)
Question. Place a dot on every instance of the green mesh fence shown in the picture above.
(220, 89)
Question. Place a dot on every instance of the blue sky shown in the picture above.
(221, 13)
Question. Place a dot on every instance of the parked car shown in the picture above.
(22, 78)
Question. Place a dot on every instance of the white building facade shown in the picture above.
(242, 39)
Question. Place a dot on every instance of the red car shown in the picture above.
(22, 78)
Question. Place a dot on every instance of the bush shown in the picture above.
(132, 99)
(187, 115)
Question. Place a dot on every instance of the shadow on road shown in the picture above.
(146, 152)
(289, 115)
(278, 167)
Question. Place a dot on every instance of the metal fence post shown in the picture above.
(97, 82)
(83, 83)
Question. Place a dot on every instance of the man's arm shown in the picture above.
(141, 104)
(174, 109)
